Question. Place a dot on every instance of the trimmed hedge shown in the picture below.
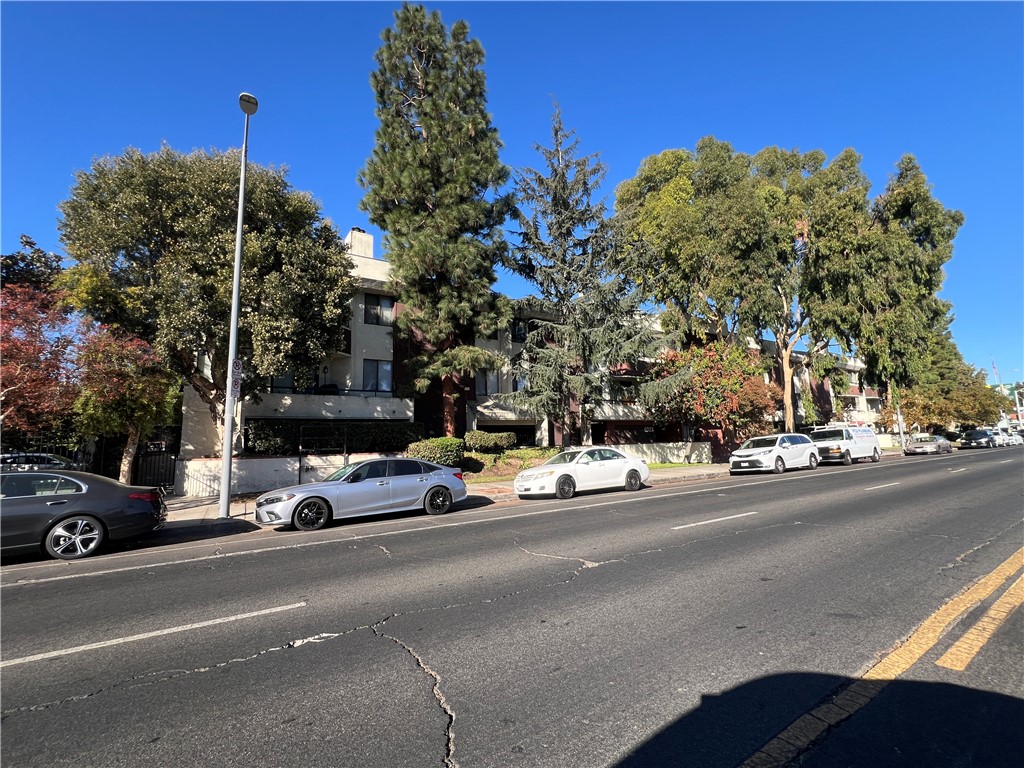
(283, 437)
(448, 451)
(489, 442)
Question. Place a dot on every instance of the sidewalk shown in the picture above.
(184, 511)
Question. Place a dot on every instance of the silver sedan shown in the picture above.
(369, 487)
(928, 444)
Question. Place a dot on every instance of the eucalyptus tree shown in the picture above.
(433, 185)
(585, 319)
(760, 246)
(896, 290)
(153, 241)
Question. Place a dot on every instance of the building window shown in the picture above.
(378, 310)
(377, 376)
(519, 383)
(486, 383)
(518, 331)
(283, 384)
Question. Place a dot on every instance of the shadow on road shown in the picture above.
(906, 723)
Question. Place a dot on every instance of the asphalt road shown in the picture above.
(793, 620)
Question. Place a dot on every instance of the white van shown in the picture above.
(846, 444)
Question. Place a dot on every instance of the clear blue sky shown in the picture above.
(941, 81)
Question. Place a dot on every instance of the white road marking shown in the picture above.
(876, 487)
(962, 469)
(146, 635)
(716, 520)
(1006, 461)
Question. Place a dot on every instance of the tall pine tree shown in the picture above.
(432, 184)
(585, 320)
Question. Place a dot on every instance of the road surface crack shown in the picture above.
(449, 757)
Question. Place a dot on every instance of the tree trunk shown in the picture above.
(787, 388)
(128, 457)
(449, 394)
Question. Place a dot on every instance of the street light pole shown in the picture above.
(233, 385)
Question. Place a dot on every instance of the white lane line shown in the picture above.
(1006, 461)
(962, 469)
(145, 635)
(876, 487)
(716, 520)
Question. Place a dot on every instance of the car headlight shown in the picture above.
(277, 499)
(544, 473)
(755, 453)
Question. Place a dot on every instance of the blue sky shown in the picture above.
(941, 81)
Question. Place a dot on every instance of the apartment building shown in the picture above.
(356, 384)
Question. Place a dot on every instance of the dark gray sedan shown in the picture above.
(70, 514)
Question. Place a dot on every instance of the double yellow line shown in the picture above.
(805, 730)
(928, 634)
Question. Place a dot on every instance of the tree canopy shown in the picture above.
(432, 184)
(37, 368)
(153, 241)
(786, 248)
(123, 389)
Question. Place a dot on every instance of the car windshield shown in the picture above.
(974, 434)
(760, 442)
(827, 434)
(924, 439)
(342, 473)
(565, 457)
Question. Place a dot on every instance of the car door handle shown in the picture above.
(383, 482)
(55, 503)
(422, 479)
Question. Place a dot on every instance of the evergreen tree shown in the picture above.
(584, 320)
(31, 266)
(432, 185)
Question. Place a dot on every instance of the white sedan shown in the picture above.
(774, 453)
(582, 469)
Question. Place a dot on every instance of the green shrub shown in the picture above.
(448, 451)
(489, 442)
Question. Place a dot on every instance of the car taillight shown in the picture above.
(458, 475)
(153, 497)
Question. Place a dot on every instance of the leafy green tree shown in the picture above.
(896, 290)
(30, 266)
(585, 320)
(948, 391)
(762, 245)
(153, 238)
(432, 184)
(124, 389)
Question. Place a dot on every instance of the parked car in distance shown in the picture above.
(846, 444)
(1016, 438)
(978, 438)
(70, 514)
(370, 487)
(583, 469)
(20, 461)
(924, 444)
(774, 453)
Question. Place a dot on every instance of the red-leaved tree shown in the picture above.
(124, 389)
(37, 387)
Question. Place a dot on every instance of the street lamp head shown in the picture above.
(248, 103)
